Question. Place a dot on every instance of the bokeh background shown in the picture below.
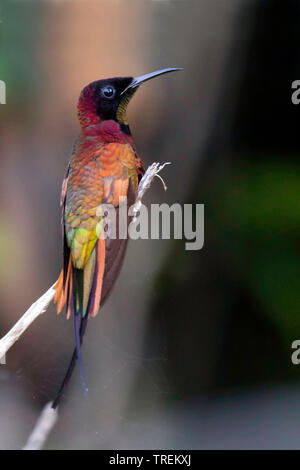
(193, 349)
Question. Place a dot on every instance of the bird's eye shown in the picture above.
(108, 91)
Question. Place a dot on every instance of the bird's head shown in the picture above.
(108, 99)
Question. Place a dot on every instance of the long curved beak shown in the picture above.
(148, 76)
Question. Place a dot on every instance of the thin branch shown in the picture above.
(42, 428)
(152, 172)
(36, 309)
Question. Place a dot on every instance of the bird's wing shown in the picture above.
(115, 249)
(92, 183)
(61, 293)
(103, 179)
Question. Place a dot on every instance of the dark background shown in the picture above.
(193, 349)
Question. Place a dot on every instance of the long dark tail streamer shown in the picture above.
(80, 327)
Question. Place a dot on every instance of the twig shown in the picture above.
(42, 428)
(36, 309)
(152, 172)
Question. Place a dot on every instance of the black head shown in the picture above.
(108, 98)
(109, 95)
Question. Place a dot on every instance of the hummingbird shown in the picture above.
(104, 168)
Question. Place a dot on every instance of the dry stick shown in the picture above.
(48, 416)
(152, 171)
(42, 428)
(29, 316)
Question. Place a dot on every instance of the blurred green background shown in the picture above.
(193, 349)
